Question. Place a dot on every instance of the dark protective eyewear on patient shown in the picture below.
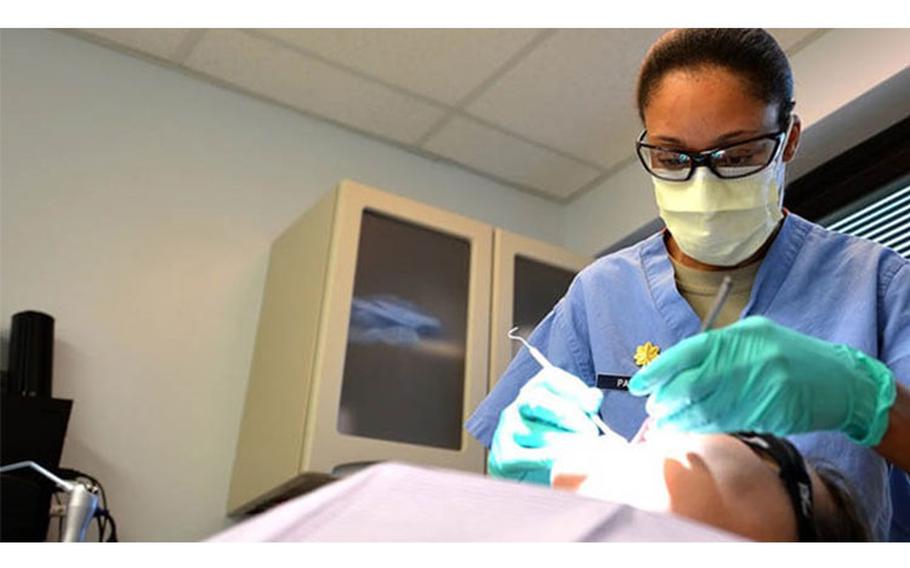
(733, 161)
(794, 475)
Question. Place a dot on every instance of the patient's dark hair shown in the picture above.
(845, 523)
(752, 54)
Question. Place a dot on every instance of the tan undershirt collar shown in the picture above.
(702, 282)
(699, 287)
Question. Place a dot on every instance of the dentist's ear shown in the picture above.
(793, 139)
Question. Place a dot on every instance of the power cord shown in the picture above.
(108, 522)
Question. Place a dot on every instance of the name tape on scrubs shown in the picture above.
(613, 382)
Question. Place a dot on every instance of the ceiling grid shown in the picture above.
(550, 112)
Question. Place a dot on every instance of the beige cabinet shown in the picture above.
(529, 277)
(373, 342)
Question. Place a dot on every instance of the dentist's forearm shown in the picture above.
(895, 444)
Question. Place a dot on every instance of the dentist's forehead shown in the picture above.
(702, 109)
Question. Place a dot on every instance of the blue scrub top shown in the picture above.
(828, 285)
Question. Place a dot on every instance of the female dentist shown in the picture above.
(813, 342)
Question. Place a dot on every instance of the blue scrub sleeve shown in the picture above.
(896, 330)
(895, 353)
(562, 337)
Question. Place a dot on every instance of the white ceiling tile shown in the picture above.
(574, 92)
(788, 38)
(162, 43)
(488, 150)
(443, 64)
(281, 74)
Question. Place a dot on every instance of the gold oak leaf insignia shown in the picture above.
(646, 353)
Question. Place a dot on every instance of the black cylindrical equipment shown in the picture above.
(31, 354)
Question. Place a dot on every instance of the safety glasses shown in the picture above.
(728, 162)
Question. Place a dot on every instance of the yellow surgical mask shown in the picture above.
(722, 222)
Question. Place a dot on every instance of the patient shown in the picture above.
(756, 486)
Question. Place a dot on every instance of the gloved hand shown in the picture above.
(550, 416)
(758, 376)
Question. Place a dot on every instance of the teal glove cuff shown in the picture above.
(869, 416)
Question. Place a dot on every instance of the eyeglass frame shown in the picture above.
(703, 158)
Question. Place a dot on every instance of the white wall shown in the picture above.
(843, 64)
(621, 204)
(835, 69)
(138, 205)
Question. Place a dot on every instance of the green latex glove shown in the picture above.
(758, 376)
(550, 416)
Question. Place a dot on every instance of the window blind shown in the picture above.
(885, 221)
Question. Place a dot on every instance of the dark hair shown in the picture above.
(753, 54)
(845, 523)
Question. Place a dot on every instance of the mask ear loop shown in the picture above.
(783, 144)
(780, 159)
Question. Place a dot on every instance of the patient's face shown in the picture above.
(715, 479)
